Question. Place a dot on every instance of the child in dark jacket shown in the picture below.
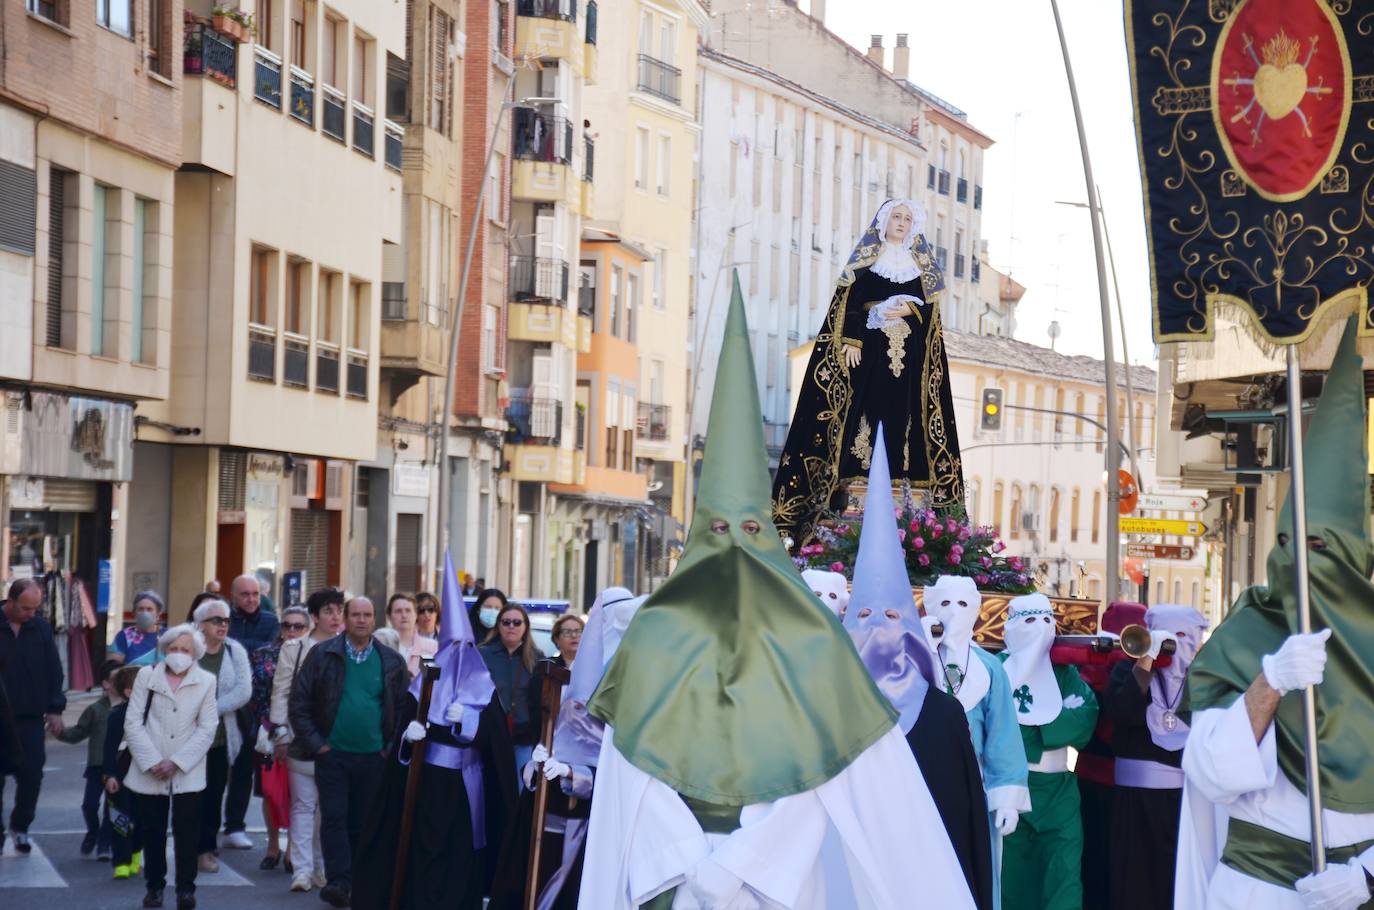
(127, 847)
(91, 728)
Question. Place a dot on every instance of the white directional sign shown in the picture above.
(1170, 503)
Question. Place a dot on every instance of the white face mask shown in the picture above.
(488, 616)
(179, 662)
(955, 602)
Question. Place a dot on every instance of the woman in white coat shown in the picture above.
(169, 727)
(227, 661)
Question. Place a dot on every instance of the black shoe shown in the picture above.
(335, 895)
(153, 898)
(87, 844)
(21, 842)
(186, 900)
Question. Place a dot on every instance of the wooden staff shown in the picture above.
(429, 674)
(550, 698)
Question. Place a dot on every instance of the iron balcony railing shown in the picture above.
(332, 113)
(362, 130)
(589, 154)
(539, 136)
(262, 353)
(977, 196)
(209, 53)
(356, 377)
(296, 362)
(961, 190)
(942, 256)
(537, 278)
(302, 96)
(591, 22)
(394, 137)
(975, 272)
(326, 368)
(548, 9)
(535, 418)
(958, 265)
(393, 300)
(586, 301)
(267, 77)
(660, 78)
(944, 183)
(652, 422)
(930, 176)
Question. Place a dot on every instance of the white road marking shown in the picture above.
(32, 871)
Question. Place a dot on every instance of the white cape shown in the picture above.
(877, 812)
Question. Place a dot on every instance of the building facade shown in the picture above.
(289, 202)
(90, 140)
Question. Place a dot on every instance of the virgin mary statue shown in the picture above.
(879, 358)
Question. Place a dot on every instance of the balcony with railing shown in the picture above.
(266, 77)
(302, 96)
(961, 190)
(659, 78)
(547, 30)
(355, 378)
(977, 196)
(942, 256)
(958, 265)
(975, 273)
(930, 176)
(652, 422)
(412, 344)
(363, 140)
(538, 136)
(207, 52)
(534, 420)
(262, 353)
(590, 58)
(333, 107)
(589, 159)
(326, 367)
(591, 22)
(943, 186)
(395, 137)
(295, 361)
(566, 10)
(533, 278)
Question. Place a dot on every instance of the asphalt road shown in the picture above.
(56, 877)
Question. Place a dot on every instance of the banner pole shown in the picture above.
(1112, 569)
(1309, 694)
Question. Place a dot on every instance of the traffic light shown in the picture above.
(991, 415)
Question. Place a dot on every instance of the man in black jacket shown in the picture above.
(32, 675)
(343, 711)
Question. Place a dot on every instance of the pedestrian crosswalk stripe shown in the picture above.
(224, 877)
(32, 871)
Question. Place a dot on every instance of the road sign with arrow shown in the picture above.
(1173, 526)
(1158, 551)
(1170, 503)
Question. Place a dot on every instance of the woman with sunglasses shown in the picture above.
(427, 615)
(401, 615)
(227, 661)
(510, 654)
(295, 622)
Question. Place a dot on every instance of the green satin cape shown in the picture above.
(734, 684)
(1342, 599)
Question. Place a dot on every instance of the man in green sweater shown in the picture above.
(343, 712)
(1057, 711)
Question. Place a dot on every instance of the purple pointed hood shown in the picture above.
(463, 675)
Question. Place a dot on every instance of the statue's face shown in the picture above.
(898, 225)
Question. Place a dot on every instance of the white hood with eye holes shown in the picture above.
(956, 602)
(830, 587)
(1029, 633)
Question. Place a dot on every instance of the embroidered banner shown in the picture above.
(1255, 121)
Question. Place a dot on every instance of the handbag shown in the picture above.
(276, 791)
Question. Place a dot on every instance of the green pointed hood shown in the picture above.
(1336, 467)
(734, 684)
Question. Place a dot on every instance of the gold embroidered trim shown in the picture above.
(863, 443)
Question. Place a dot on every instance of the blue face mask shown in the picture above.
(488, 615)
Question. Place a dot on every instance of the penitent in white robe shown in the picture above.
(1229, 775)
(877, 812)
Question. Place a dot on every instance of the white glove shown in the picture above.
(1005, 820)
(540, 754)
(715, 886)
(527, 774)
(1073, 701)
(453, 713)
(1299, 663)
(1157, 640)
(1340, 887)
(414, 732)
(554, 769)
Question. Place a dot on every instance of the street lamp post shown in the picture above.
(1113, 554)
(449, 378)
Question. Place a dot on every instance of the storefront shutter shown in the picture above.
(408, 549)
(310, 547)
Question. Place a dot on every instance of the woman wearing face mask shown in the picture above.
(510, 654)
(427, 615)
(136, 645)
(227, 660)
(414, 647)
(169, 726)
(490, 602)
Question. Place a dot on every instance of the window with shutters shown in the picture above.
(440, 72)
(18, 208)
(310, 546)
(57, 232)
(297, 25)
(232, 477)
(409, 546)
(104, 210)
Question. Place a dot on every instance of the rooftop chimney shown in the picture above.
(901, 58)
(875, 50)
(818, 11)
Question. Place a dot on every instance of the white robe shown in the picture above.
(1229, 775)
(644, 840)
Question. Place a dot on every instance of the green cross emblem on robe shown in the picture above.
(1024, 699)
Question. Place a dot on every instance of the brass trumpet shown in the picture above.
(1135, 641)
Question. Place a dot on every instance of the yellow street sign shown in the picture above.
(1174, 526)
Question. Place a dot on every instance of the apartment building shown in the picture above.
(550, 190)
(91, 99)
(644, 111)
(289, 202)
